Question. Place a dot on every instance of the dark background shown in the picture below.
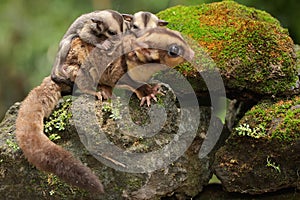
(30, 31)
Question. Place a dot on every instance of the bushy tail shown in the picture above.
(39, 150)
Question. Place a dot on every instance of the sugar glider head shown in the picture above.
(162, 45)
(156, 49)
(143, 20)
(108, 23)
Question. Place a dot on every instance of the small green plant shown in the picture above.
(273, 165)
(59, 119)
(12, 144)
(54, 137)
(106, 107)
(246, 130)
(51, 192)
(160, 101)
(113, 107)
(115, 114)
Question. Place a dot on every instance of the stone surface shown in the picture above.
(185, 176)
(262, 153)
(256, 59)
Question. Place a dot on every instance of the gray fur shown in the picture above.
(92, 28)
(142, 20)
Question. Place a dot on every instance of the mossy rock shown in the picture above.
(280, 121)
(262, 153)
(297, 49)
(257, 166)
(249, 47)
(72, 125)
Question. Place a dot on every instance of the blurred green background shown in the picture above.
(30, 31)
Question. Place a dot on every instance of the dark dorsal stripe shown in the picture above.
(165, 32)
(118, 18)
(146, 18)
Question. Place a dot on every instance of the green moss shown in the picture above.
(134, 183)
(52, 187)
(12, 144)
(297, 49)
(249, 46)
(280, 120)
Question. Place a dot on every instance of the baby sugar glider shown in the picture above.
(142, 20)
(93, 28)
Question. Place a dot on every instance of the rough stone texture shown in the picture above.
(263, 156)
(19, 179)
(183, 177)
(255, 57)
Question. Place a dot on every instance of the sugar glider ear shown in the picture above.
(162, 22)
(127, 17)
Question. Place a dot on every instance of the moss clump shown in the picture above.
(250, 48)
(280, 120)
(297, 49)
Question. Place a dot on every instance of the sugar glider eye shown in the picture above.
(111, 32)
(97, 21)
(174, 50)
(135, 27)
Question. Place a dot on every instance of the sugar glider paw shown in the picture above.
(154, 91)
(103, 95)
(106, 45)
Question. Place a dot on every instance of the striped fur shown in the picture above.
(143, 47)
(134, 49)
(142, 20)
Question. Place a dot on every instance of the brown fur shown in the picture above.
(36, 146)
(78, 53)
(139, 49)
(40, 102)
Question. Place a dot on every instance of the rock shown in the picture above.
(168, 149)
(174, 171)
(262, 153)
(19, 179)
(297, 86)
(249, 48)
